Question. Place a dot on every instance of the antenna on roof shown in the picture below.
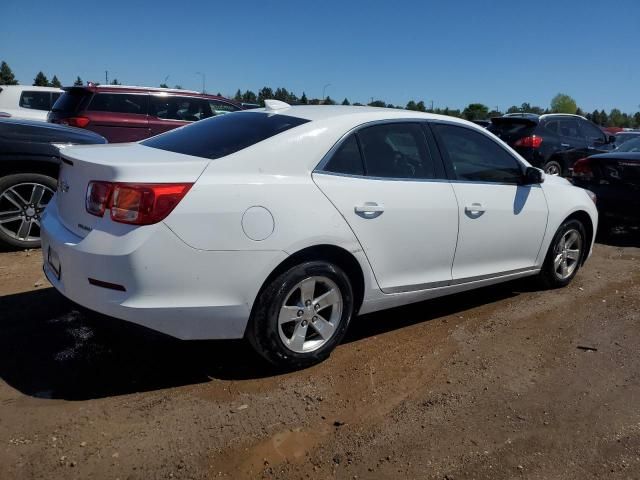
(275, 105)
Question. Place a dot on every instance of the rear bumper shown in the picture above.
(619, 203)
(168, 286)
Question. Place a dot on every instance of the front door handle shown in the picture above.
(475, 209)
(369, 210)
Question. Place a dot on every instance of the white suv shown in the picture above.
(27, 102)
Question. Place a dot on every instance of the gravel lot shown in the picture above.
(504, 382)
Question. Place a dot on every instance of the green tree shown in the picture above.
(636, 120)
(604, 118)
(579, 112)
(616, 118)
(178, 87)
(79, 83)
(475, 111)
(358, 104)
(55, 82)
(420, 106)
(238, 96)
(115, 82)
(6, 75)
(303, 99)
(328, 101)
(164, 85)
(411, 105)
(563, 103)
(494, 113)
(41, 80)
(264, 94)
(249, 97)
(595, 117)
(378, 103)
(345, 101)
(513, 109)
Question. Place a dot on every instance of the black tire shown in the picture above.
(555, 167)
(6, 229)
(549, 278)
(263, 332)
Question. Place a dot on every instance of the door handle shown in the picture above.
(369, 210)
(566, 145)
(475, 208)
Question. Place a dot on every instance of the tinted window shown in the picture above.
(569, 128)
(346, 159)
(223, 135)
(591, 132)
(36, 100)
(71, 100)
(218, 107)
(476, 157)
(119, 103)
(552, 127)
(396, 150)
(632, 145)
(188, 109)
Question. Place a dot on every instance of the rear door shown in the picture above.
(167, 112)
(119, 117)
(398, 204)
(502, 223)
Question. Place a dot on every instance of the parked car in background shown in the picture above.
(615, 179)
(281, 224)
(26, 102)
(128, 114)
(552, 142)
(29, 160)
(482, 123)
(622, 137)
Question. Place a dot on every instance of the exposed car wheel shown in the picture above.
(553, 167)
(23, 198)
(565, 255)
(302, 315)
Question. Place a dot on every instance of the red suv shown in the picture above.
(129, 114)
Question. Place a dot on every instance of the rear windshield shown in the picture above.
(511, 129)
(36, 100)
(223, 135)
(70, 100)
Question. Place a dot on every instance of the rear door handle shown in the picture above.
(475, 208)
(369, 210)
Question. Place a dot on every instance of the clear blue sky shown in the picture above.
(454, 52)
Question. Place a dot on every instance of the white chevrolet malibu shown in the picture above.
(281, 224)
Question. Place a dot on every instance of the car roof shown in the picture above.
(138, 89)
(29, 87)
(361, 114)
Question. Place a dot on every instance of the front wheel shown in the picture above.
(302, 315)
(565, 255)
(23, 198)
(553, 167)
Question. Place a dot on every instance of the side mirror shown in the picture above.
(533, 176)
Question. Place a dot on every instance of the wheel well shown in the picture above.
(584, 218)
(341, 257)
(28, 166)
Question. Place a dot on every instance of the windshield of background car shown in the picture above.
(632, 145)
(511, 130)
(70, 100)
(223, 135)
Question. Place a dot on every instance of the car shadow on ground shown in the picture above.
(50, 348)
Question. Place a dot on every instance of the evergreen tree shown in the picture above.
(345, 101)
(178, 87)
(41, 80)
(377, 103)
(303, 99)
(55, 82)
(595, 117)
(6, 75)
(115, 82)
(420, 107)
(411, 105)
(79, 83)
(264, 94)
(249, 97)
(328, 101)
(604, 118)
(238, 96)
(164, 85)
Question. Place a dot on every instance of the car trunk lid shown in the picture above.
(618, 168)
(129, 163)
(512, 129)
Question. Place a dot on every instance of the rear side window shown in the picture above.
(569, 128)
(346, 159)
(223, 135)
(187, 109)
(70, 100)
(35, 100)
(396, 150)
(475, 157)
(218, 107)
(119, 103)
(591, 132)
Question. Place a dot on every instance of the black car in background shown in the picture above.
(615, 179)
(622, 137)
(28, 171)
(553, 141)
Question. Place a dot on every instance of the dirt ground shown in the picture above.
(504, 382)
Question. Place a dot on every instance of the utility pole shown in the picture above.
(106, 77)
(203, 80)
(432, 105)
(323, 90)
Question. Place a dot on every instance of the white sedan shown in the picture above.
(281, 224)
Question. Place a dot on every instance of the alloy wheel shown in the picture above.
(21, 207)
(567, 254)
(310, 314)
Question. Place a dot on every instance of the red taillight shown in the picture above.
(135, 203)
(79, 122)
(532, 141)
(582, 169)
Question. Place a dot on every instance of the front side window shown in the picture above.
(346, 159)
(592, 133)
(224, 134)
(396, 150)
(119, 103)
(476, 157)
(186, 109)
(35, 100)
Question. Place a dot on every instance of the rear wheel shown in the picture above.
(23, 198)
(302, 315)
(553, 167)
(565, 255)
